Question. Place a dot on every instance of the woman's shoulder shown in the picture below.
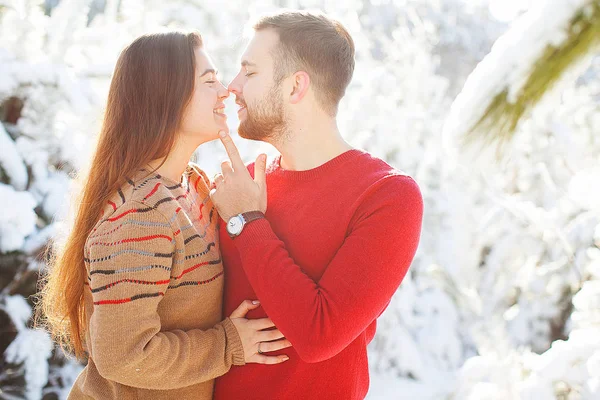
(152, 197)
(132, 209)
(131, 221)
(145, 196)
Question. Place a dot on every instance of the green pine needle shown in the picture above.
(500, 121)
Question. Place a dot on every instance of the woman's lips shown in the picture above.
(220, 112)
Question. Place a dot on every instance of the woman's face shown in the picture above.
(205, 116)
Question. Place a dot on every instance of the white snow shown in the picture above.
(18, 310)
(32, 348)
(584, 188)
(11, 162)
(506, 246)
(17, 220)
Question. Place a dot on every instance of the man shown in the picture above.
(341, 227)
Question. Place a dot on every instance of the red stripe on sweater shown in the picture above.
(114, 206)
(196, 184)
(120, 301)
(188, 283)
(133, 210)
(144, 238)
(190, 269)
(136, 239)
(140, 282)
(152, 191)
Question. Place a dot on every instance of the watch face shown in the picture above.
(235, 225)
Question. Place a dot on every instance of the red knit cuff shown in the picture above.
(253, 233)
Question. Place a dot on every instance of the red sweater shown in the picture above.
(335, 245)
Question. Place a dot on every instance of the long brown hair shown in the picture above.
(151, 87)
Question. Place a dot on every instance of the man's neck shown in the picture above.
(310, 145)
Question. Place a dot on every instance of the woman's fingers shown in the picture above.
(267, 347)
(261, 323)
(262, 359)
(243, 308)
(268, 336)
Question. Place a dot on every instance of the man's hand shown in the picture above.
(234, 191)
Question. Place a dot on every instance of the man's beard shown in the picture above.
(266, 120)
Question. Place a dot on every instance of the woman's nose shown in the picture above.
(223, 92)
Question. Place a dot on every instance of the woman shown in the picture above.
(138, 284)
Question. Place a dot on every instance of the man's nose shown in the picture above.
(234, 87)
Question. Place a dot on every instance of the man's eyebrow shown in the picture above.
(209, 71)
(247, 63)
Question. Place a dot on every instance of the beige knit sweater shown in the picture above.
(154, 294)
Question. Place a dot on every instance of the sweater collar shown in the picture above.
(323, 169)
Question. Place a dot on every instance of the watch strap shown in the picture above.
(252, 216)
(246, 218)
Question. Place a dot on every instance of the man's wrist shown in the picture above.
(237, 223)
(226, 217)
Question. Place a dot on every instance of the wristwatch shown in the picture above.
(236, 224)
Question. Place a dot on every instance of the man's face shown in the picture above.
(259, 96)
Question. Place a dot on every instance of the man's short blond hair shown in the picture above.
(316, 44)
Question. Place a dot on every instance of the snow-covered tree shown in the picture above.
(552, 43)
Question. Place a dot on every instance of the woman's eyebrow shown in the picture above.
(209, 71)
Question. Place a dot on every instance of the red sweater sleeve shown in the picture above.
(321, 318)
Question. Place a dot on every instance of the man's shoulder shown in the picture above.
(271, 166)
(374, 170)
(366, 168)
(378, 179)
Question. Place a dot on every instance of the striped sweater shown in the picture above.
(153, 294)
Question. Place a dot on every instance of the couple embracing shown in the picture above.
(262, 283)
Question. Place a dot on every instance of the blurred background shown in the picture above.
(503, 298)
